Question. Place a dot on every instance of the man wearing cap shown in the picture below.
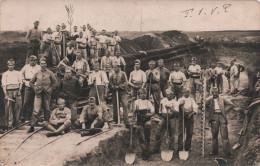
(34, 36)
(107, 64)
(234, 78)
(164, 76)
(188, 105)
(194, 72)
(60, 120)
(12, 86)
(143, 111)
(27, 73)
(117, 38)
(70, 90)
(119, 60)
(43, 82)
(99, 84)
(219, 79)
(92, 42)
(153, 85)
(137, 79)
(218, 107)
(65, 38)
(102, 41)
(57, 36)
(169, 105)
(118, 84)
(81, 45)
(75, 33)
(91, 116)
(177, 80)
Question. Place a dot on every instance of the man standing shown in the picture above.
(99, 85)
(34, 36)
(65, 38)
(137, 79)
(43, 82)
(177, 80)
(213, 75)
(107, 64)
(75, 33)
(194, 72)
(219, 79)
(119, 60)
(81, 45)
(170, 103)
(102, 41)
(234, 78)
(12, 86)
(218, 107)
(118, 84)
(92, 43)
(57, 36)
(188, 105)
(153, 85)
(27, 73)
(164, 76)
(144, 110)
(70, 90)
(59, 121)
(118, 40)
(111, 45)
(91, 116)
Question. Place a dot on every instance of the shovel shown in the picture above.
(130, 156)
(166, 155)
(183, 155)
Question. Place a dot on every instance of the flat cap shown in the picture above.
(151, 63)
(43, 59)
(32, 58)
(10, 62)
(176, 64)
(214, 89)
(137, 61)
(142, 90)
(169, 91)
(92, 99)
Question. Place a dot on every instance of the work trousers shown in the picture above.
(188, 126)
(72, 105)
(111, 50)
(134, 92)
(171, 131)
(157, 99)
(196, 89)
(56, 57)
(219, 82)
(163, 89)
(33, 49)
(177, 90)
(219, 123)
(28, 103)
(44, 97)
(234, 84)
(83, 52)
(117, 48)
(89, 122)
(101, 92)
(93, 55)
(13, 109)
(144, 132)
(123, 99)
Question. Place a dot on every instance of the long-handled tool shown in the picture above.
(166, 155)
(150, 84)
(9, 131)
(183, 155)
(130, 156)
(97, 94)
(117, 107)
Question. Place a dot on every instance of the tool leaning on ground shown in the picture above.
(183, 155)
(166, 155)
(17, 127)
(130, 156)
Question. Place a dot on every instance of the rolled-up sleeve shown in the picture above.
(4, 80)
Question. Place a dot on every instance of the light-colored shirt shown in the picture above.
(92, 41)
(34, 34)
(103, 39)
(82, 65)
(177, 77)
(58, 114)
(11, 79)
(56, 35)
(81, 40)
(218, 70)
(137, 77)
(47, 37)
(74, 33)
(233, 70)
(171, 103)
(143, 105)
(89, 114)
(194, 68)
(28, 71)
(189, 104)
(117, 38)
(217, 108)
(101, 78)
(118, 60)
(106, 63)
(112, 41)
(86, 34)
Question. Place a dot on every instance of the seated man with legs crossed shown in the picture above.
(59, 121)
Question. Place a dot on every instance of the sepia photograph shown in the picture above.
(129, 82)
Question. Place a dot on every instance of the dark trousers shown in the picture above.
(144, 132)
(28, 103)
(162, 128)
(33, 49)
(219, 123)
(177, 89)
(72, 105)
(157, 99)
(219, 81)
(44, 97)
(188, 126)
(163, 89)
(89, 122)
(101, 92)
(123, 98)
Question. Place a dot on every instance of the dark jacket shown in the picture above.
(224, 105)
(119, 80)
(70, 89)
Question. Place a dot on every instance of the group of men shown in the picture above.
(156, 94)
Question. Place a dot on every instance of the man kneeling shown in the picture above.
(60, 120)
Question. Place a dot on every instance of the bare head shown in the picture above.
(61, 104)
(160, 63)
(142, 93)
(84, 27)
(103, 32)
(36, 24)
(92, 102)
(215, 92)
(137, 64)
(96, 66)
(10, 64)
(68, 73)
(75, 28)
(43, 63)
(81, 34)
(63, 26)
(186, 93)
(151, 65)
(58, 28)
(32, 60)
(169, 94)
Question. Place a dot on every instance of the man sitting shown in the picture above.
(59, 121)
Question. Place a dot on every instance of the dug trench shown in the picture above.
(109, 148)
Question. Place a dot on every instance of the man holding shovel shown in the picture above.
(118, 83)
(218, 107)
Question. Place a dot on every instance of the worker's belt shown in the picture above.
(12, 87)
(195, 76)
(176, 83)
(111, 45)
(34, 41)
(142, 117)
(164, 115)
(94, 46)
(82, 47)
(219, 113)
(27, 79)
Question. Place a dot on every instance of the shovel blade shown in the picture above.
(236, 146)
(183, 155)
(166, 155)
(130, 158)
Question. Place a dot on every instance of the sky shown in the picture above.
(125, 15)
